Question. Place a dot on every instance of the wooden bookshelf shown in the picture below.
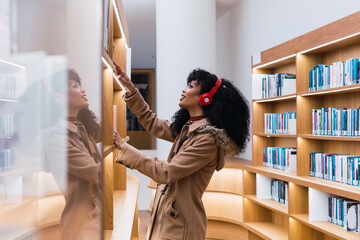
(120, 190)
(267, 219)
(270, 204)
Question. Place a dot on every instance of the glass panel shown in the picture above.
(49, 157)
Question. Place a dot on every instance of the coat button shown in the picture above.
(172, 214)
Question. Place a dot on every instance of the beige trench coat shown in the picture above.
(81, 217)
(178, 211)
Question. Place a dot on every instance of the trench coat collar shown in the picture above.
(72, 127)
(195, 125)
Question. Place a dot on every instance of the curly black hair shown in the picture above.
(229, 109)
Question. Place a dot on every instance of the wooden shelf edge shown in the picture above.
(106, 56)
(18, 172)
(224, 219)
(289, 97)
(107, 149)
(261, 134)
(107, 234)
(125, 203)
(330, 138)
(266, 230)
(238, 163)
(331, 91)
(273, 205)
(326, 227)
(225, 192)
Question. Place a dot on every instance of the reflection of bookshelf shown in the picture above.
(144, 80)
(22, 190)
(308, 196)
(120, 190)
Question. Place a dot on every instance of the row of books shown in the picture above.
(280, 123)
(10, 85)
(6, 125)
(280, 191)
(336, 75)
(335, 121)
(335, 167)
(272, 85)
(282, 158)
(7, 160)
(344, 212)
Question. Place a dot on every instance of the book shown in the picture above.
(350, 215)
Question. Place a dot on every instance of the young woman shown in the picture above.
(81, 218)
(204, 129)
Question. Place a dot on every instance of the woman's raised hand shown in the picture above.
(124, 79)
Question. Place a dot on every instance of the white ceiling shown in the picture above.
(140, 17)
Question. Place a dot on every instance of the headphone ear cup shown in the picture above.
(205, 99)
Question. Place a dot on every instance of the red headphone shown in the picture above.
(206, 98)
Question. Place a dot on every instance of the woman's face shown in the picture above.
(77, 97)
(190, 95)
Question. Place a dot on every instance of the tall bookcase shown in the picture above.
(120, 211)
(307, 200)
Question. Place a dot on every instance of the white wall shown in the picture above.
(253, 26)
(185, 39)
(142, 27)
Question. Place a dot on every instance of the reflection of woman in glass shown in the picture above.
(202, 132)
(81, 218)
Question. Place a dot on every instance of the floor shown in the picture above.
(216, 230)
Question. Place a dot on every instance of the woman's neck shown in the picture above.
(195, 112)
(72, 113)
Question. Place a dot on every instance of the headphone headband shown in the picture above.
(206, 98)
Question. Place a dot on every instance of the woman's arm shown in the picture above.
(159, 128)
(189, 160)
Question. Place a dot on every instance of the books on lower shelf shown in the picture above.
(280, 123)
(336, 75)
(335, 121)
(280, 191)
(282, 158)
(344, 212)
(335, 167)
(6, 125)
(273, 85)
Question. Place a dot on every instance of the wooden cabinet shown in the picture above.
(121, 190)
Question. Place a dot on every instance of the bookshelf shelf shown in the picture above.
(329, 138)
(108, 149)
(276, 63)
(261, 134)
(270, 204)
(289, 97)
(326, 227)
(332, 91)
(268, 230)
(125, 208)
